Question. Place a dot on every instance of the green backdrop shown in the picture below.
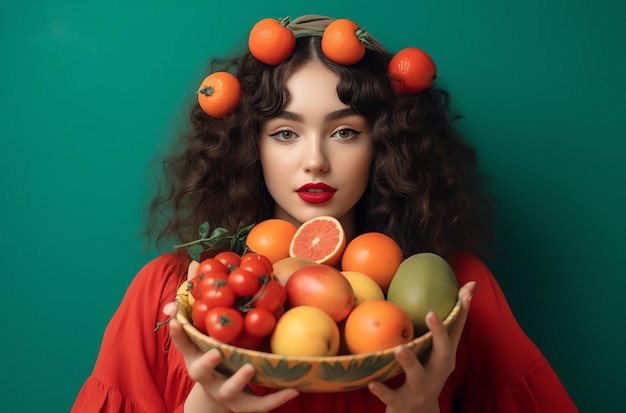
(89, 91)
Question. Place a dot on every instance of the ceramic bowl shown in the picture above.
(308, 374)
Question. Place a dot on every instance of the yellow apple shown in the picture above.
(363, 287)
(305, 331)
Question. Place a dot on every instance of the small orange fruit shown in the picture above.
(219, 93)
(271, 238)
(270, 40)
(412, 70)
(376, 325)
(321, 239)
(342, 42)
(374, 254)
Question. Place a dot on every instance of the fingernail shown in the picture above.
(402, 352)
(170, 309)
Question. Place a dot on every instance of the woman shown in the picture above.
(384, 162)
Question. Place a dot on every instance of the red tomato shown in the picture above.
(280, 289)
(243, 282)
(211, 279)
(258, 268)
(229, 258)
(212, 265)
(193, 286)
(199, 310)
(268, 298)
(224, 323)
(259, 322)
(245, 340)
(321, 286)
(252, 256)
(218, 296)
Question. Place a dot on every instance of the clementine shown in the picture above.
(374, 254)
(271, 41)
(342, 42)
(412, 70)
(219, 93)
(376, 325)
(271, 238)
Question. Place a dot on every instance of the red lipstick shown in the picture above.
(316, 193)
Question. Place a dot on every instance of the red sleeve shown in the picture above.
(499, 369)
(137, 369)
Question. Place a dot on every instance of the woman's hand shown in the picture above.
(214, 392)
(420, 392)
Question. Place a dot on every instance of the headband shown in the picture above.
(272, 41)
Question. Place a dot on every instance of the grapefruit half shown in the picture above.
(321, 239)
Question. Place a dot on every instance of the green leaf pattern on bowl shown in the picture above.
(282, 371)
(234, 361)
(353, 370)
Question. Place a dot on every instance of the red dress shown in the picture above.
(498, 368)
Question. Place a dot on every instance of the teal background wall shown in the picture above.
(90, 91)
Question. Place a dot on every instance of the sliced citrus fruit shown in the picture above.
(321, 239)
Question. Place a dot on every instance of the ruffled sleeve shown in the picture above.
(499, 369)
(138, 370)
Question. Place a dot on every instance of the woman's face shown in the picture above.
(316, 155)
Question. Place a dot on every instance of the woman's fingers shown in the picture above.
(233, 393)
(192, 271)
(235, 384)
(188, 348)
(414, 372)
(274, 400)
(466, 293)
(170, 309)
(442, 351)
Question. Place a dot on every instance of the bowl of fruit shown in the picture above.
(316, 321)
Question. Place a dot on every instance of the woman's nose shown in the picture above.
(315, 159)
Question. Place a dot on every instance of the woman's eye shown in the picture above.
(346, 133)
(283, 135)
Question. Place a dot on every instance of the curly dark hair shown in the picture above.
(424, 191)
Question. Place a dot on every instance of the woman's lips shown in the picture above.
(316, 193)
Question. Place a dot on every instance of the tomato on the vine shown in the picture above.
(279, 288)
(218, 295)
(211, 279)
(259, 322)
(199, 311)
(193, 286)
(229, 258)
(224, 324)
(254, 257)
(243, 282)
(245, 340)
(212, 265)
(268, 297)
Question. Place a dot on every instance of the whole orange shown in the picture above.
(376, 325)
(342, 42)
(271, 238)
(412, 70)
(271, 41)
(219, 93)
(374, 254)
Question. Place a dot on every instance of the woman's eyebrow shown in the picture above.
(338, 114)
(285, 114)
